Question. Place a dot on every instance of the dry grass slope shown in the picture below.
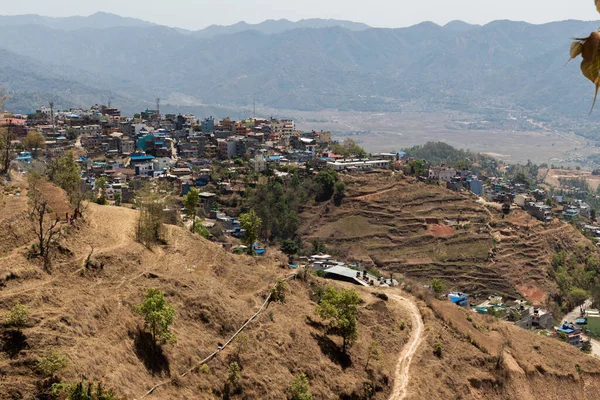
(483, 358)
(88, 316)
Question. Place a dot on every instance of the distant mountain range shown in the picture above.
(500, 67)
(272, 26)
(98, 20)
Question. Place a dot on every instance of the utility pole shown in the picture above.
(254, 107)
(157, 112)
(52, 118)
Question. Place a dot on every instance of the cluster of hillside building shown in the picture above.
(182, 149)
(527, 316)
(536, 202)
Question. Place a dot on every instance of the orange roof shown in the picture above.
(14, 121)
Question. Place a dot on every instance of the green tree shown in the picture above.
(158, 315)
(340, 193)
(340, 308)
(348, 149)
(416, 168)
(318, 247)
(289, 247)
(65, 173)
(299, 389)
(51, 363)
(233, 377)
(117, 198)
(190, 203)
(577, 297)
(437, 286)
(250, 223)
(596, 294)
(326, 180)
(18, 316)
(101, 188)
(586, 347)
(71, 133)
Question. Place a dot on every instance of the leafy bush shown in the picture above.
(299, 388)
(278, 291)
(202, 230)
(51, 363)
(204, 369)
(83, 391)
(18, 315)
(438, 349)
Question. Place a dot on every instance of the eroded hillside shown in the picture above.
(88, 316)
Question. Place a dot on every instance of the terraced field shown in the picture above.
(424, 230)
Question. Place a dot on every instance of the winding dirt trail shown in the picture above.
(401, 376)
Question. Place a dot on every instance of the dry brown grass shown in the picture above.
(489, 359)
(88, 316)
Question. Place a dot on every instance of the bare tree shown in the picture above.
(3, 98)
(45, 227)
(6, 147)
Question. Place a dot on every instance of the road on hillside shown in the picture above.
(576, 313)
(401, 376)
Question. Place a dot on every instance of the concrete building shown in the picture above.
(227, 148)
(127, 146)
(535, 318)
(208, 125)
(144, 169)
(441, 174)
(360, 165)
(259, 162)
(540, 211)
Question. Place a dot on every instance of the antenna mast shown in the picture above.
(52, 117)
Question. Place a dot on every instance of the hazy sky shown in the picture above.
(196, 14)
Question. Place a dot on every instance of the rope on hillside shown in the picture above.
(221, 348)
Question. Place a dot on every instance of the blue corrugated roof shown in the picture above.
(141, 158)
